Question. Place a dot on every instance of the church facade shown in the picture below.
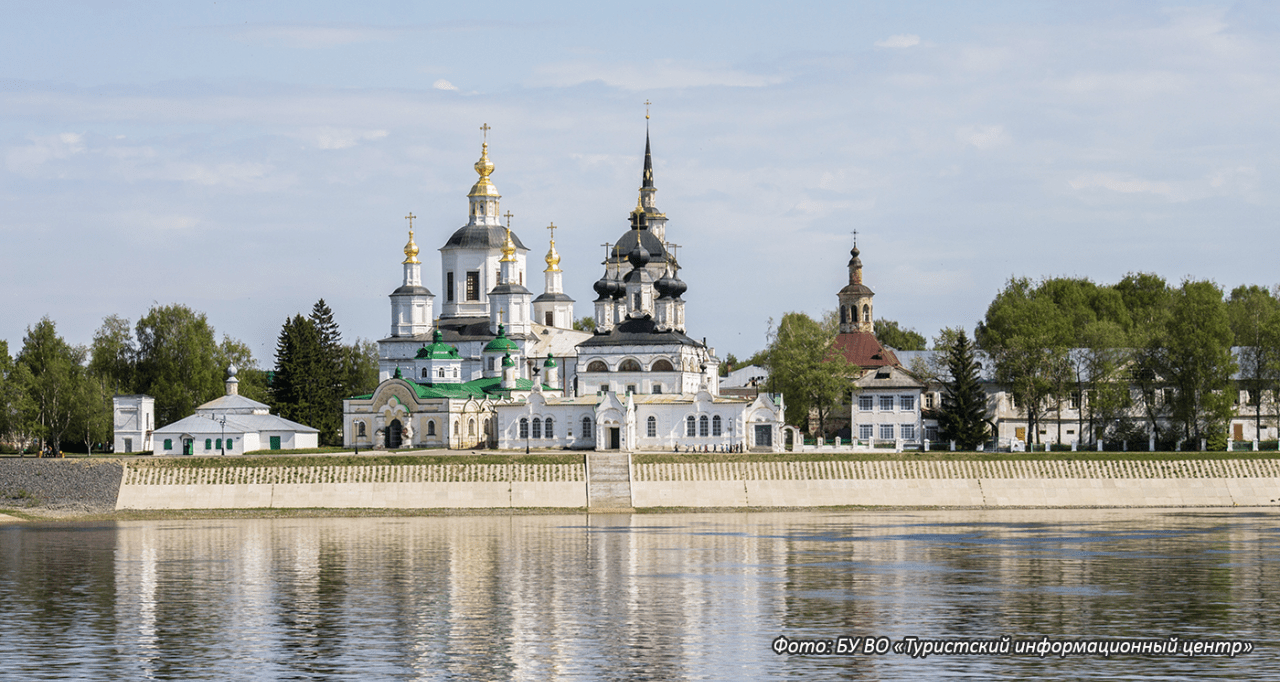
(502, 368)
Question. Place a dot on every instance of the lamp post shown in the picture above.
(222, 444)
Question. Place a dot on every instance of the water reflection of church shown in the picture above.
(501, 368)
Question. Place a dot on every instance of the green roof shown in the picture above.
(437, 349)
(501, 343)
(488, 387)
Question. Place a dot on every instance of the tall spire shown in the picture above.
(647, 180)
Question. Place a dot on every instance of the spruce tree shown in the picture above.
(299, 386)
(332, 374)
(964, 403)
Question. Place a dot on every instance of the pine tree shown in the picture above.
(964, 403)
(299, 386)
(334, 381)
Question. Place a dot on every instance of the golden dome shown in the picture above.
(553, 259)
(485, 168)
(411, 251)
(508, 249)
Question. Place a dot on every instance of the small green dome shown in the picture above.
(551, 361)
(507, 361)
(438, 349)
(501, 344)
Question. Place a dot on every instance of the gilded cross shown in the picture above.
(646, 110)
(672, 248)
(410, 218)
(485, 129)
(552, 227)
(508, 217)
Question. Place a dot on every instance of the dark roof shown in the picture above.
(481, 237)
(457, 329)
(552, 297)
(410, 289)
(860, 289)
(635, 332)
(864, 350)
(509, 288)
(628, 242)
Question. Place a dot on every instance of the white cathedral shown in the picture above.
(501, 368)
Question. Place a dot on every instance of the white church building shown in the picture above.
(501, 368)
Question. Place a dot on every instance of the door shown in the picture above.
(764, 436)
(128, 445)
(275, 442)
(188, 446)
(615, 438)
(1239, 432)
(394, 434)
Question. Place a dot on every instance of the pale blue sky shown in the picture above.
(246, 159)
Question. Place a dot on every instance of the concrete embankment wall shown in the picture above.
(1192, 483)
(474, 486)
(962, 484)
(71, 484)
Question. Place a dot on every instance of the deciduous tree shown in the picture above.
(805, 370)
(179, 363)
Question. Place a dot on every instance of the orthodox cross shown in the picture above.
(646, 110)
(508, 217)
(410, 218)
(672, 248)
(552, 227)
(855, 238)
(485, 129)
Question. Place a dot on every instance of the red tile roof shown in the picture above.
(864, 350)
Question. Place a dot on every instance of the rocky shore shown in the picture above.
(71, 485)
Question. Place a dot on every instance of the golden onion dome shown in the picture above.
(508, 249)
(411, 251)
(485, 168)
(553, 258)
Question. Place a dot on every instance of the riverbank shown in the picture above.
(434, 483)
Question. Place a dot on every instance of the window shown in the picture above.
(886, 403)
(886, 432)
(1073, 402)
(931, 433)
(440, 374)
(928, 401)
(455, 430)
(597, 366)
(473, 286)
(168, 444)
(547, 429)
(604, 388)
(651, 427)
(208, 444)
(360, 429)
(491, 365)
(908, 432)
(907, 403)
(586, 427)
(866, 403)
(217, 444)
(702, 426)
(537, 427)
(448, 286)
(629, 365)
(471, 427)
(431, 428)
(524, 427)
(866, 431)
(549, 319)
(866, 313)
(662, 365)
(657, 389)
(715, 425)
(631, 388)
(230, 442)
(690, 427)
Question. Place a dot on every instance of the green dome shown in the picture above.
(507, 361)
(501, 344)
(551, 361)
(437, 349)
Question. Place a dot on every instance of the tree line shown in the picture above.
(1138, 346)
(55, 394)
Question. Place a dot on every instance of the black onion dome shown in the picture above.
(854, 259)
(639, 256)
(617, 289)
(627, 243)
(665, 286)
(603, 287)
(678, 287)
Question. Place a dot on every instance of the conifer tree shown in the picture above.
(964, 403)
(300, 388)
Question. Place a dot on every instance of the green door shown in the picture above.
(275, 442)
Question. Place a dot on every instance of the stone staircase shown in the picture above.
(609, 481)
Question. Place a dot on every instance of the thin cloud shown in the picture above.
(443, 84)
(899, 41)
(660, 74)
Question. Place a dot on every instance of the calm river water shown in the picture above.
(644, 597)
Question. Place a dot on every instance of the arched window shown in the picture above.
(537, 427)
(702, 426)
(690, 426)
(844, 313)
(597, 366)
(455, 372)
(524, 427)
(715, 425)
(866, 313)
(360, 429)
(662, 365)
(424, 373)
(431, 428)
(629, 365)
(440, 373)
(651, 427)
(471, 427)
(455, 430)
(586, 427)
(547, 429)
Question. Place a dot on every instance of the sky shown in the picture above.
(246, 159)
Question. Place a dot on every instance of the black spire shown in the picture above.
(647, 180)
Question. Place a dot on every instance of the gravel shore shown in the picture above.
(73, 485)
